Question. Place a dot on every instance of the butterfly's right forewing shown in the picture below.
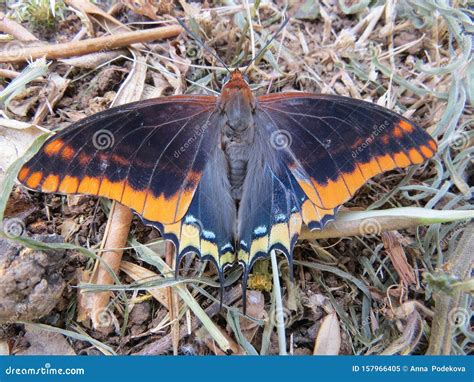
(149, 156)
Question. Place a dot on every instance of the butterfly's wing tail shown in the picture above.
(335, 144)
(271, 213)
(269, 216)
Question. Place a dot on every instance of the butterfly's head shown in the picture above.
(235, 76)
(235, 79)
(237, 88)
(237, 102)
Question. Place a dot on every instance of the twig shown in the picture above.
(11, 74)
(118, 227)
(77, 48)
(447, 306)
(172, 301)
(11, 27)
(120, 217)
(279, 313)
(375, 222)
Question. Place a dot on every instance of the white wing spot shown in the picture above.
(280, 218)
(208, 235)
(261, 230)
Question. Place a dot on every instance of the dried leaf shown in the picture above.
(255, 309)
(32, 72)
(138, 273)
(45, 343)
(94, 60)
(13, 144)
(89, 9)
(4, 348)
(68, 228)
(410, 337)
(132, 88)
(328, 341)
(392, 243)
(54, 91)
(149, 8)
(23, 101)
(306, 9)
(183, 63)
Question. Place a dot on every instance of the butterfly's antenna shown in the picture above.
(198, 40)
(262, 51)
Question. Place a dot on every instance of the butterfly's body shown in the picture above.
(237, 104)
(234, 177)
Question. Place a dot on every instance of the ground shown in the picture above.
(373, 293)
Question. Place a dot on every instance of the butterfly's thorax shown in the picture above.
(238, 130)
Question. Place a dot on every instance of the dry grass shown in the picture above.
(412, 57)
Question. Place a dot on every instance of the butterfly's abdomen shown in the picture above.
(237, 160)
(236, 145)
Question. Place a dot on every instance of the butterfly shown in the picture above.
(233, 177)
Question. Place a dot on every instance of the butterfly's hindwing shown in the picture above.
(207, 228)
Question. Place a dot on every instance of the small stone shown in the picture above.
(30, 281)
(141, 313)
